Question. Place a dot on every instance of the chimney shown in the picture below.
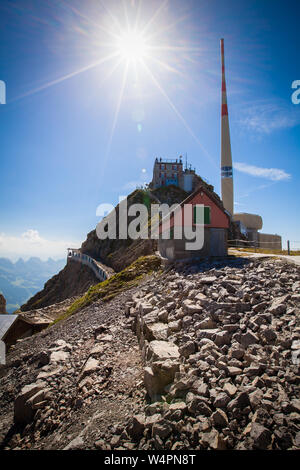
(226, 159)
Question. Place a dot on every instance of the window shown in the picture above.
(198, 213)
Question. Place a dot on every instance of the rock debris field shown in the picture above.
(196, 357)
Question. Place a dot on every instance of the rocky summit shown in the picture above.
(200, 356)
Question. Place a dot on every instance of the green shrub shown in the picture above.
(120, 282)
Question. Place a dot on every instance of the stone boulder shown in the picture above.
(187, 349)
(214, 440)
(278, 306)
(159, 375)
(261, 436)
(28, 400)
(190, 307)
(160, 350)
(155, 331)
(136, 426)
(89, 367)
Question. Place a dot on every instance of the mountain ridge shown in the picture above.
(21, 279)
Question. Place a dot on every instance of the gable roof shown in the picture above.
(209, 194)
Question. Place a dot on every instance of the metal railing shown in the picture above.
(99, 270)
(293, 246)
(255, 244)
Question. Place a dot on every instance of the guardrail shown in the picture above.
(272, 245)
(293, 246)
(99, 270)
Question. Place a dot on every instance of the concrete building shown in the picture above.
(171, 172)
(216, 224)
(249, 224)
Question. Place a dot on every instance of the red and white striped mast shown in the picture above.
(226, 159)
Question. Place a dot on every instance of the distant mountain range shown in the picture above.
(21, 280)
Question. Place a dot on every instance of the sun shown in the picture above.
(132, 46)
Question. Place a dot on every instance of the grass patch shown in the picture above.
(120, 282)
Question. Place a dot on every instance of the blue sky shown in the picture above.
(77, 130)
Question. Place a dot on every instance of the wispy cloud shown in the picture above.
(265, 118)
(30, 243)
(238, 203)
(273, 174)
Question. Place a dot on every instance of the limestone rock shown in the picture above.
(190, 307)
(219, 418)
(76, 444)
(23, 410)
(241, 401)
(222, 337)
(207, 279)
(278, 306)
(136, 426)
(59, 356)
(156, 331)
(207, 324)
(261, 436)
(230, 389)
(213, 440)
(187, 349)
(198, 406)
(161, 429)
(221, 400)
(159, 375)
(248, 338)
(269, 336)
(90, 367)
(158, 350)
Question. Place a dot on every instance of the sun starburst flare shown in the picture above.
(132, 46)
(142, 42)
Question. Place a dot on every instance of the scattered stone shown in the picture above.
(187, 349)
(230, 389)
(89, 367)
(261, 436)
(23, 408)
(248, 338)
(75, 444)
(278, 306)
(219, 418)
(158, 350)
(221, 400)
(213, 440)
